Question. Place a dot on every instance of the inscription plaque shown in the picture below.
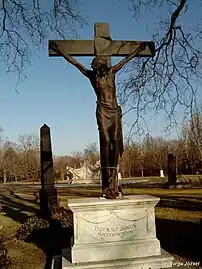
(116, 231)
(113, 225)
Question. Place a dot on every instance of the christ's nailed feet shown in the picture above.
(110, 193)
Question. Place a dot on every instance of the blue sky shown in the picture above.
(56, 93)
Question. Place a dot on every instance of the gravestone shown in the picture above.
(172, 178)
(48, 193)
(161, 173)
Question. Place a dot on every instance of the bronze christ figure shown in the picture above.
(108, 113)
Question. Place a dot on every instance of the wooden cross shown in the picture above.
(102, 45)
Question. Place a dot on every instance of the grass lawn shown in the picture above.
(178, 215)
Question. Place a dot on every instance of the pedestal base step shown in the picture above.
(164, 260)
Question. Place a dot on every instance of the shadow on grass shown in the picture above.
(177, 237)
(180, 202)
(159, 185)
(14, 214)
(51, 240)
(181, 238)
(196, 197)
(34, 193)
(16, 209)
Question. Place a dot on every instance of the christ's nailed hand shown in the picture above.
(143, 45)
(54, 46)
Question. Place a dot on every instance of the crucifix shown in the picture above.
(102, 79)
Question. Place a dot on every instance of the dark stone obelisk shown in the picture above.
(172, 177)
(48, 193)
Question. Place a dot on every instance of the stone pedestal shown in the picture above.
(115, 234)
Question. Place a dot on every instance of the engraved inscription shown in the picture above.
(111, 225)
(116, 231)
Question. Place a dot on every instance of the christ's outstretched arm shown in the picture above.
(54, 46)
(118, 66)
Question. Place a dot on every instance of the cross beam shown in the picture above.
(102, 45)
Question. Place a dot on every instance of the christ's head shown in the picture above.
(99, 64)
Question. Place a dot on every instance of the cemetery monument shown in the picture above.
(86, 174)
(110, 233)
(48, 193)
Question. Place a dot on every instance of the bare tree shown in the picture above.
(169, 80)
(91, 153)
(148, 154)
(10, 161)
(77, 159)
(60, 166)
(196, 131)
(29, 156)
(160, 150)
(25, 25)
(131, 162)
(29, 142)
(192, 136)
(3, 142)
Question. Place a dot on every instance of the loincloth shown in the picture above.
(108, 117)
